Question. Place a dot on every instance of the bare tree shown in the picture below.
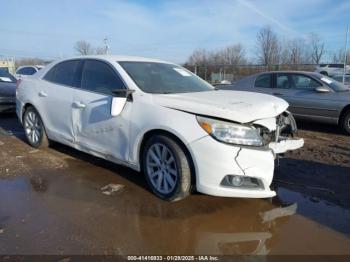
(233, 55)
(198, 57)
(100, 51)
(31, 61)
(338, 56)
(317, 48)
(299, 53)
(268, 47)
(83, 47)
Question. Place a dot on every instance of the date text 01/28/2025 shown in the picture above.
(173, 258)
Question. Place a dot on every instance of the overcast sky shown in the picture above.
(163, 29)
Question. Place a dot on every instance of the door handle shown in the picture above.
(277, 94)
(78, 104)
(42, 94)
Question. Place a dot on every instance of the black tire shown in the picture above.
(42, 140)
(324, 73)
(182, 186)
(346, 122)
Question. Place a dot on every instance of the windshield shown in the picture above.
(6, 76)
(340, 78)
(335, 85)
(161, 78)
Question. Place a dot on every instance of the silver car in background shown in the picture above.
(311, 96)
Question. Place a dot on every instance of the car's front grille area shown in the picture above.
(286, 126)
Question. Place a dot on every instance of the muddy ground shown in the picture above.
(51, 202)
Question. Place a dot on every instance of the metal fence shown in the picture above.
(217, 73)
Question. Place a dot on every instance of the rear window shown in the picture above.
(67, 73)
(26, 71)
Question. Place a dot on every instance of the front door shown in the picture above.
(300, 91)
(94, 127)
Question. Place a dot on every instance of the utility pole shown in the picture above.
(345, 53)
(105, 40)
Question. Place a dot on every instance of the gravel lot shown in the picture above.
(51, 202)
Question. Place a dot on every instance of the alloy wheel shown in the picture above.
(33, 128)
(161, 168)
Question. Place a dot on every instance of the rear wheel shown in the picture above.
(324, 73)
(167, 168)
(346, 122)
(34, 129)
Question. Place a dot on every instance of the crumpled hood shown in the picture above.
(237, 106)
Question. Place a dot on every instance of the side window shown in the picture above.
(30, 71)
(26, 71)
(263, 81)
(66, 73)
(50, 75)
(100, 77)
(337, 65)
(282, 81)
(304, 82)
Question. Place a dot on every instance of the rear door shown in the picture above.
(94, 127)
(55, 98)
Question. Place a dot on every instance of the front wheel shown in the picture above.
(167, 168)
(346, 122)
(34, 128)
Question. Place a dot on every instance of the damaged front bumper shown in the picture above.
(236, 171)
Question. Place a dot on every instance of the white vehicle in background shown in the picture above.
(24, 71)
(332, 69)
(159, 118)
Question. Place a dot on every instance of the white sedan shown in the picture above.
(25, 71)
(159, 118)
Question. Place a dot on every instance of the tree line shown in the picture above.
(270, 49)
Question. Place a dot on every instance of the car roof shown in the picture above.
(33, 66)
(118, 58)
(290, 72)
(108, 58)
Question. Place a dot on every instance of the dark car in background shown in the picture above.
(8, 85)
(311, 96)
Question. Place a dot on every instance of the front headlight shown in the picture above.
(231, 133)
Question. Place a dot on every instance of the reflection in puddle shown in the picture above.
(253, 243)
(39, 184)
(319, 210)
(136, 222)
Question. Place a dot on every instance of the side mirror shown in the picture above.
(322, 89)
(119, 100)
